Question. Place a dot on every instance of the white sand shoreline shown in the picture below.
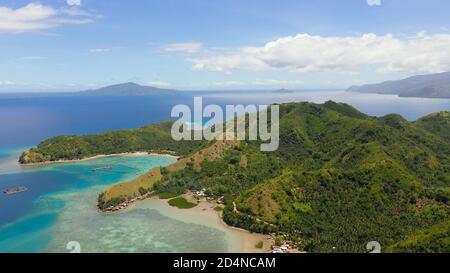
(137, 154)
(242, 241)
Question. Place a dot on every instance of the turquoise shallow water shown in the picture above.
(60, 207)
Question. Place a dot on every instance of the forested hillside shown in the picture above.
(338, 180)
(151, 138)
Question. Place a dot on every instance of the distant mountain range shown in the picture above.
(423, 86)
(128, 89)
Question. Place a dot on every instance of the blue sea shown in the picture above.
(59, 205)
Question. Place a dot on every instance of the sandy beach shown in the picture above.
(239, 240)
(242, 241)
(95, 157)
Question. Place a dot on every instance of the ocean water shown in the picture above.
(371, 104)
(27, 121)
(60, 204)
(67, 213)
(59, 208)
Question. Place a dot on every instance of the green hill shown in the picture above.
(152, 138)
(339, 179)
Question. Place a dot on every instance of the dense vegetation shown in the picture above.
(103, 204)
(152, 138)
(181, 203)
(167, 195)
(338, 180)
(435, 239)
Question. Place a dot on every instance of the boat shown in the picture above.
(15, 190)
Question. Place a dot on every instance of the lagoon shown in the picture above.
(28, 220)
(59, 205)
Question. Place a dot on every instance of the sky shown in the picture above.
(65, 45)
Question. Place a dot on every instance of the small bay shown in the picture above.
(59, 205)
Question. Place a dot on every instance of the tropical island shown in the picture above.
(339, 179)
(128, 89)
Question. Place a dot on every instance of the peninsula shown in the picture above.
(339, 179)
(421, 86)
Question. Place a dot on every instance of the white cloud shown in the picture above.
(374, 2)
(35, 17)
(6, 83)
(158, 83)
(104, 49)
(76, 11)
(278, 83)
(32, 58)
(189, 48)
(268, 83)
(99, 50)
(306, 53)
(74, 2)
(225, 84)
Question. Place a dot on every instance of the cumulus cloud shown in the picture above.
(374, 2)
(74, 2)
(307, 53)
(35, 17)
(190, 48)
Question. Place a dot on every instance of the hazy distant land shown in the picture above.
(422, 86)
(129, 89)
